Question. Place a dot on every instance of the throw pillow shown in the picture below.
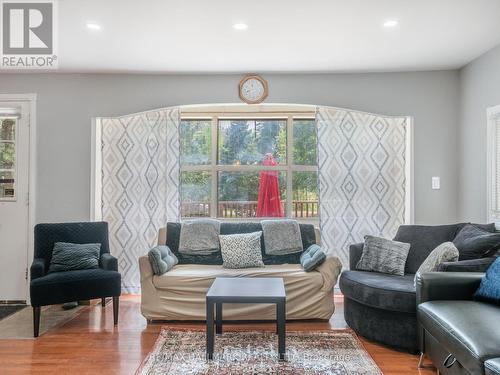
(162, 259)
(241, 250)
(384, 256)
(446, 252)
(199, 237)
(473, 242)
(71, 256)
(312, 258)
(489, 289)
(281, 237)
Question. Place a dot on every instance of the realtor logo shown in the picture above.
(28, 38)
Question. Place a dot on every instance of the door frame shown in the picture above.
(31, 99)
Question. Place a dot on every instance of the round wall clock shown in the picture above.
(253, 89)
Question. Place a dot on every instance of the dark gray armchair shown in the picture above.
(61, 287)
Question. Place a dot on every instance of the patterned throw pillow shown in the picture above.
(384, 256)
(241, 250)
(489, 289)
(72, 256)
(446, 252)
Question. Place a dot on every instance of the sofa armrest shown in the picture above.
(473, 265)
(330, 270)
(432, 286)
(37, 268)
(108, 262)
(355, 251)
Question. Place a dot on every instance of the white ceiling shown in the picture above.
(282, 35)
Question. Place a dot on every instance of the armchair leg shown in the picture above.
(103, 301)
(36, 321)
(116, 303)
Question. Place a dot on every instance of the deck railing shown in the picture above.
(245, 209)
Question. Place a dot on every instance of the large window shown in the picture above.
(244, 166)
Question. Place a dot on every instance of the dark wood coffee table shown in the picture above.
(245, 290)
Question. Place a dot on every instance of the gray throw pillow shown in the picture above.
(384, 256)
(241, 250)
(446, 252)
(312, 258)
(474, 242)
(199, 237)
(281, 237)
(72, 256)
(162, 259)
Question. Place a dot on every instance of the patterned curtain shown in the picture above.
(140, 184)
(361, 162)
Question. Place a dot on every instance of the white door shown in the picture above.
(14, 210)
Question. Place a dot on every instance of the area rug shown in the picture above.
(6, 310)
(327, 352)
(20, 324)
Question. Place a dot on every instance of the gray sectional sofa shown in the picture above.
(383, 307)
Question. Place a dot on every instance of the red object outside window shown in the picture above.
(269, 200)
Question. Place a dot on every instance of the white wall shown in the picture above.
(67, 102)
(479, 90)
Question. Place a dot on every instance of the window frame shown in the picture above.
(13, 170)
(214, 168)
(493, 212)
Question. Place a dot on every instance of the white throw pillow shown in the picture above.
(241, 250)
(446, 252)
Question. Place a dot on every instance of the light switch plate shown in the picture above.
(436, 183)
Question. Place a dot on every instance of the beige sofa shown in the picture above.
(180, 293)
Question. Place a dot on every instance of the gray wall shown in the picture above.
(479, 90)
(67, 102)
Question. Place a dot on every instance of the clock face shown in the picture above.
(253, 90)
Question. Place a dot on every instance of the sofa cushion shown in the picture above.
(388, 292)
(489, 289)
(281, 236)
(383, 255)
(307, 233)
(312, 258)
(73, 256)
(467, 329)
(423, 239)
(473, 242)
(162, 259)
(492, 366)
(199, 236)
(68, 286)
(446, 252)
(241, 250)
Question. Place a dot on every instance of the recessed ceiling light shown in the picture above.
(391, 23)
(93, 26)
(240, 26)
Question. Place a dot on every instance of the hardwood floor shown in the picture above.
(89, 344)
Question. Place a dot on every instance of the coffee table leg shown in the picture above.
(281, 319)
(218, 318)
(210, 329)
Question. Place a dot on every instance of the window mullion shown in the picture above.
(289, 163)
(214, 181)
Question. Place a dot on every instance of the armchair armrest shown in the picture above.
(108, 262)
(37, 268)
(433, 286)
(473, 265)
(355, 251)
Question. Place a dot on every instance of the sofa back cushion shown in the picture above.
(173, 234)
(425, 238)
